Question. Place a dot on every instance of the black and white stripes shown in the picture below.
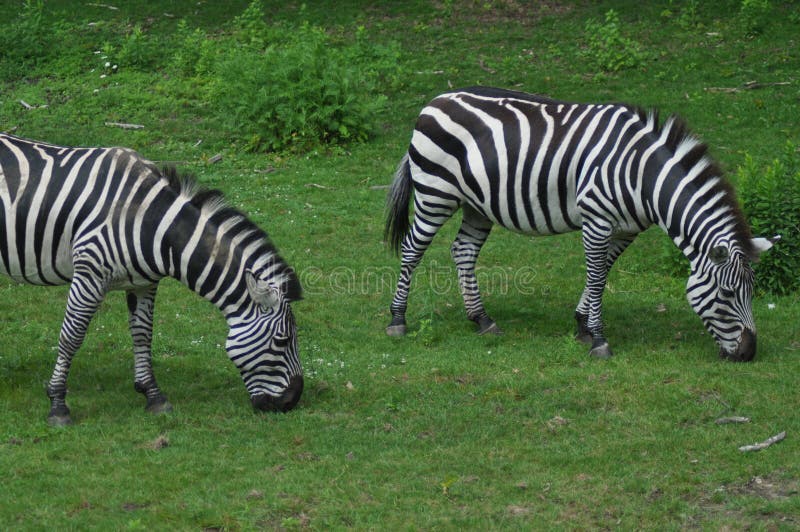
(540, 166)
(102, 219)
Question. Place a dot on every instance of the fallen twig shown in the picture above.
(315, 185)
(124, 125)
(750, 85)
(215, 159)
(764, 444)
(379, 187)
(28, 106)
(113, 8)
(732, 419)
(483, 66)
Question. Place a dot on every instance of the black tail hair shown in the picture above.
(397, 204)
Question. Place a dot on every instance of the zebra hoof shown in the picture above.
(486, 325)
(59, 420)
(491, 328)
(161, 407)
(396, 330)
(601, 351)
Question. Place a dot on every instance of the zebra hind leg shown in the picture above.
(140, 322)
(471, 236)
(436, 212)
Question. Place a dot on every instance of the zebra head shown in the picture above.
(263, 344)
(720, 290)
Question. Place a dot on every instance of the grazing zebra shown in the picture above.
(541, 166)
(106, 219)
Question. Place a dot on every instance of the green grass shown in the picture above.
(442, 429)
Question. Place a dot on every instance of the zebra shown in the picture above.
(540, 166)
(102, 219)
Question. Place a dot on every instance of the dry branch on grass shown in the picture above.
(123, 125)
(750, 85)
(732, 419)
(764, 444)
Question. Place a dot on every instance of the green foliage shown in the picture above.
(140, 51)
(607, 48)
(289, 86)
(771, 198)
(25, 40)
(684, 13)
(195, 52)
(754, 16)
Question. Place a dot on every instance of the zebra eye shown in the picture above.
(727, 293)
(280, 340)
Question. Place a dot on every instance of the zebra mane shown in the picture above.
(679, 138)
(215, 204)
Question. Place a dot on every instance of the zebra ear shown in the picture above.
(263, 292)
(719, 254)
(761, 244)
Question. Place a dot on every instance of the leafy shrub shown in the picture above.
(684, 13)
(771, 201)
(140, 51)
(194, 51)
(754, 16)
(608, 49)
(25, 41)
(293, 86)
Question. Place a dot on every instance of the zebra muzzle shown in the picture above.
(745, 351)
(281, 403)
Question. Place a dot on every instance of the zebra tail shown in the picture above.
(397, 204)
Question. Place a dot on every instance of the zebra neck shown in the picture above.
(702, 230)
(212, 260)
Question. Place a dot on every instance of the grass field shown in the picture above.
(441, 429)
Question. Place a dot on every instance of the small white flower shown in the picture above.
(771, 306)
(107, 65)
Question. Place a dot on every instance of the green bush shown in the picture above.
(771, 201)
(140, 51)
(194, 52)
(286, 87)
(607, 48)
(754, 16)
(25, 41)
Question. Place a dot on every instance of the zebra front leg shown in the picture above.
(465, 249)
(596, 245)
(616, 246)
(86, 293)
(140, 321)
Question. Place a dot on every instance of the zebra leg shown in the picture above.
(465, 249)
(140, 322)
(596, 246)
(428, 218)
(86, 293)
(616, 246)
